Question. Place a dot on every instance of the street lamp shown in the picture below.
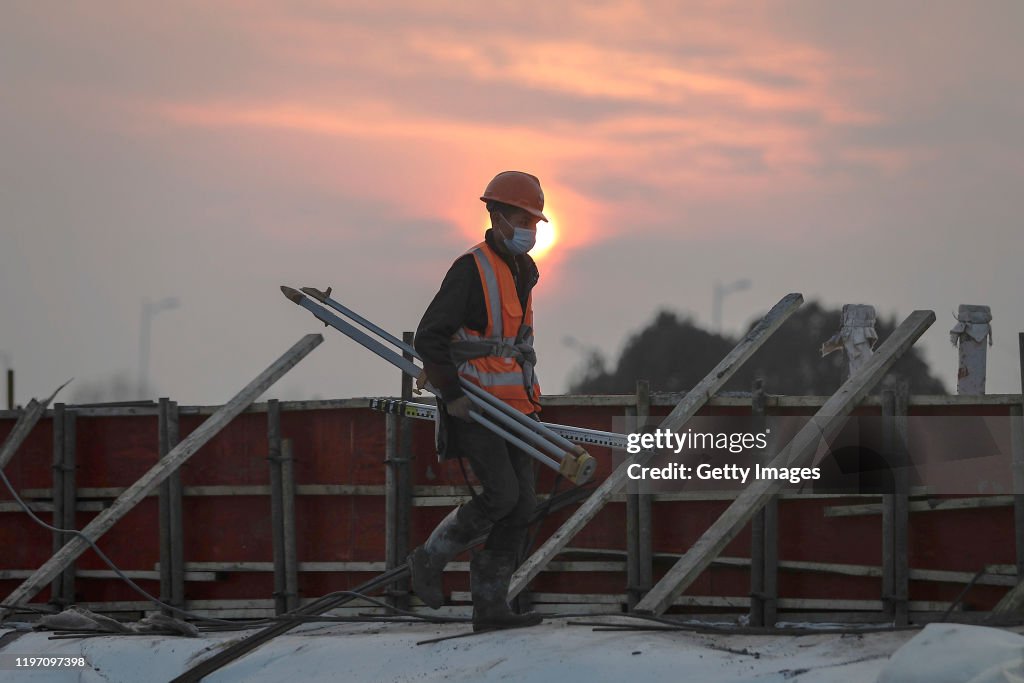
(149, 311)
(10, 379)
(721, 291)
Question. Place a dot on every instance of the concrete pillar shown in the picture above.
(973, 327)
(856, 336)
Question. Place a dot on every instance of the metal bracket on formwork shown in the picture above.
(856, 336)
(973, 327)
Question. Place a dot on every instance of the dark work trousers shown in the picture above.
(506, 475)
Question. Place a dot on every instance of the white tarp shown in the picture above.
(957, 653)
(554, 651)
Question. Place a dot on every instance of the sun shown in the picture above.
(547, 235)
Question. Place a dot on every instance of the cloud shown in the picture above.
(228, 145)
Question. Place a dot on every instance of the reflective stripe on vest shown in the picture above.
(501, 375)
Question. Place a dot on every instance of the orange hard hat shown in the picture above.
(518, 189)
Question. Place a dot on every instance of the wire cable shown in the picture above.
(136, 587)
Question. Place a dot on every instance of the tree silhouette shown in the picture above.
(675, 354)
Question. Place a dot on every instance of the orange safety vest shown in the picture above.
(497, 363)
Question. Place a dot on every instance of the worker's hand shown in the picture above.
(460, 408)
(421, 383)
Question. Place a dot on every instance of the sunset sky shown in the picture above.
(857, 152)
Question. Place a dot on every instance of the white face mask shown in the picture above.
(522, 239)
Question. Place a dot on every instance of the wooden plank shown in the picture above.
(895, 514)
(738, 400)
(638, 522)
(452, 501)
(391, 557)
(800, 449)
(6, 574)
(197, 605)
(734, 602)
(860, 614)
(1013, 601)
(291, 562)
(449, 494)
(289, 406)
(686, 409)
(632, 524)
(933, 505)
(69, 521)
(27, 420)
(994, 570)
(661, 399)
(887, 511)
(151, 409)
(160, 471)
(423, 493)
(276, 503)
(645, 526)
(1017, 446)
(174, 490)
(164, 512)
(771, 560)
(757, 524)
(888, 557)
(172, 581)
(86, 506)
(999, 575)
(401, 589)
(440, 501)
(901, 510)
(57, 597)
(356, 566)
(564, 598)
(691, 496)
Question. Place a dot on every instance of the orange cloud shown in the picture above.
(681, 104)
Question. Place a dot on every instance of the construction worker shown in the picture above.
(479, 327)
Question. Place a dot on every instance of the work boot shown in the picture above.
(428, 560)
(490, 573)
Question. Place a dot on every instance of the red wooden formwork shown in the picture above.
(345, 445)
(22, 542)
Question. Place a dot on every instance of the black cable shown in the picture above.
(963, 593)
(138, 589)
(242, 624)
(403, 612)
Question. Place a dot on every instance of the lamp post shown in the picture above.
(149, 311)
(721, 291)
(10, 379)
